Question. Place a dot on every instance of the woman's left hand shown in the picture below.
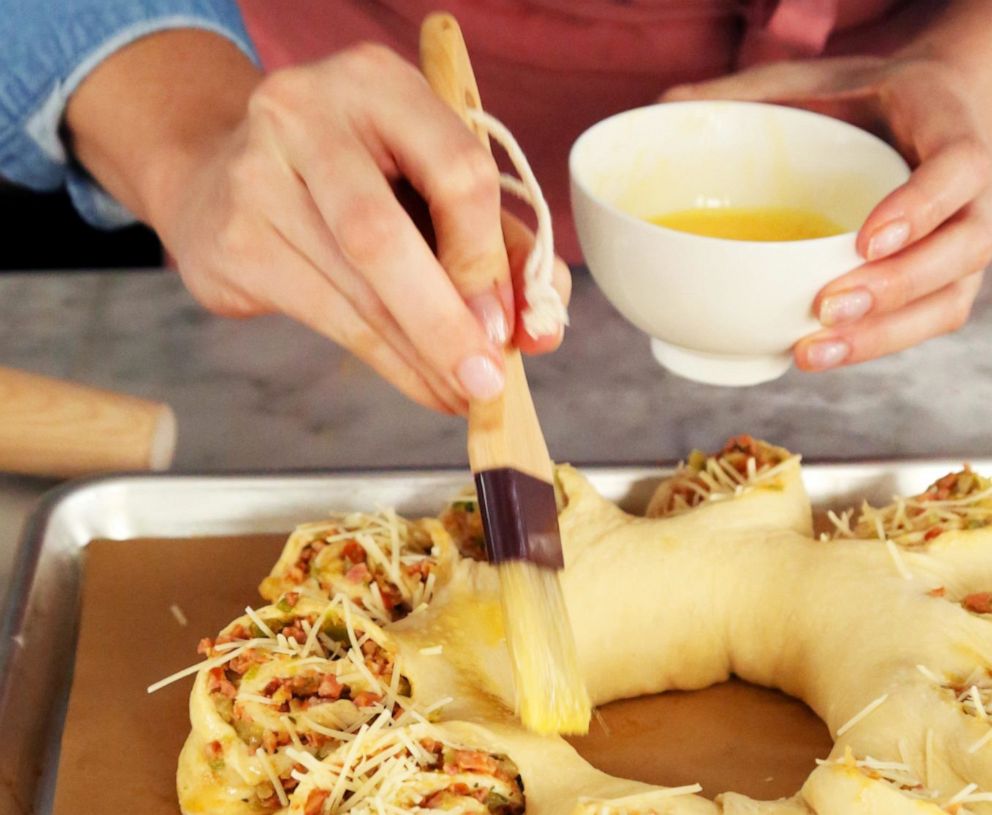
(927, 243)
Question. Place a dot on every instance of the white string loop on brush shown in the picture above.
(545, 311)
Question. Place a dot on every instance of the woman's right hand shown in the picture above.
(293, 209)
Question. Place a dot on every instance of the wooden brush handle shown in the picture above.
(504, 432)
(50, 427)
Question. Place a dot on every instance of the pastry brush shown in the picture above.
(514, 479)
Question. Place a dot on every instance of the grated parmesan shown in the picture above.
(865, 712)
(180, 617)
(978, 745)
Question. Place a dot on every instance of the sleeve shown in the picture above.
(50, 46)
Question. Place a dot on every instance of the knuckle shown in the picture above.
(235, 241)
(471, 177)
(930, 209)
(957, 319)
(376, 313)
(358, 337)
(207, 284)
(279, 92)
(983, 246)
(895, 289)
(960, 308)
(364, 231)
(368, 58)
(975, 154)
(231, 303)
(244, 171)
(231, 242)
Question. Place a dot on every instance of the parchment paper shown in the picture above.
(120, 745)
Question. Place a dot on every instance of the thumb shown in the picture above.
(789, 82)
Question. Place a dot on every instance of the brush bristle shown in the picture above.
(551, 696)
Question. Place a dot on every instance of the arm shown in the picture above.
(143, 119)
(926, 245)
(47, 54)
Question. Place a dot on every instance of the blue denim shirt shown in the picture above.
(47, 47)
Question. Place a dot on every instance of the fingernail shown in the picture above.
(845, 307)
(827, 354)
(888, 240)
(488, 310)
(481, 377)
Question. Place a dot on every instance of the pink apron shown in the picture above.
(550, 68)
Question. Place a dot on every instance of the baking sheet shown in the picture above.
(41, 622)
(120, 744)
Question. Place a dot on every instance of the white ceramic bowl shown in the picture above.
(722, 311)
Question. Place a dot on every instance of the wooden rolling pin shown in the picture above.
(50, 427)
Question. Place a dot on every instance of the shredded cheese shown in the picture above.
(897, 559)
(978, 745)
(717, 479)
(974, 694)
(977, 702)
(897, 773)
(977, 798)
(373, 773)
(961, 795)
(399, 557)
(272, 775)
(294, 735)
(206, 665)
(904, 755)
(915, 521)
(259, 622)
(437, 705)
(602, 721)
(179, 615)
(866, 711)
(841, 523)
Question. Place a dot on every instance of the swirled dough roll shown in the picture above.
(748, 483)
(447, 768)
(385, 564)
(303, 674)
(850, 786)
(956, 505)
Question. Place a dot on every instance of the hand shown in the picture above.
(928, 242)
(295, 210)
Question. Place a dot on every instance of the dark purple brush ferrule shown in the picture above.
(520, 517)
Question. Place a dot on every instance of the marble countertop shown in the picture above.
(267, 394)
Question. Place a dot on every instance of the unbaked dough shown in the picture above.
(876, 635)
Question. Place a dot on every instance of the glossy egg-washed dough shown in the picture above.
(736, 586)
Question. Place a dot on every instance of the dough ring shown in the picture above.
(884, 629)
